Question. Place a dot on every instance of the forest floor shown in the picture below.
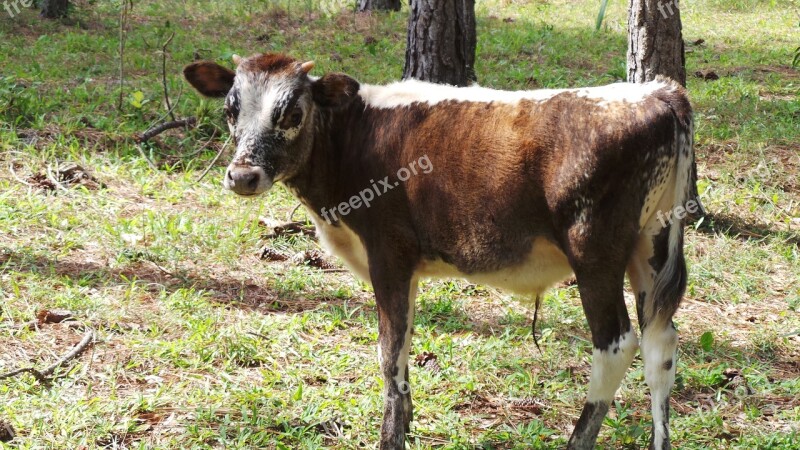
(199, 342)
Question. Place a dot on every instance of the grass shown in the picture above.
(201, 344)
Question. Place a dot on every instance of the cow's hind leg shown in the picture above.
(657, 272)
(615, 343)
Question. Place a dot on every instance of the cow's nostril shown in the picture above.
(252, 182)
(230, 176)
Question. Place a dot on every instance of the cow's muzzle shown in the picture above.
(246, 179)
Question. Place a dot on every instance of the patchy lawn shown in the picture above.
(212, 330)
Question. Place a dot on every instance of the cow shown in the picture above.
(517, 190)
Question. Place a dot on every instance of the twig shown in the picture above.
(291, 215)
(167, 272)
(53, 179)
(158, 266)
(214, 161)
(538, 303)
(11, 166)
(31, 325)
(123, 20)
(36, 374)
(202, 147)
(158, 129)
(146, 158)
(287, 228)
(42, 376)
(164, 74)
(88, 337)
(14, 174)
(258, 335)
(164, 116)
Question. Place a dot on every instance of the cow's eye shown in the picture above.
(231, 108)
(293, 119)
(231, 114)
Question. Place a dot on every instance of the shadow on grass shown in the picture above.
(736, 227)
(228, 291)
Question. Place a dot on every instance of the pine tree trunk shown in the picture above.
(379, 5)
(655, 42)
(54, 9)
(441, 42)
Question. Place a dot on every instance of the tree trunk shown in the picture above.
(54, 9)
(655, 43)
(441, 42)
(379, 5)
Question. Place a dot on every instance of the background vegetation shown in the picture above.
(203, 344)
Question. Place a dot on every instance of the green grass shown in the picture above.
(201, 344)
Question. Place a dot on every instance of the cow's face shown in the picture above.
(270, 105)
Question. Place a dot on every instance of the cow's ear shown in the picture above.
(334, 90)
(209, 78)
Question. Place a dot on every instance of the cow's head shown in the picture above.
(271, 105)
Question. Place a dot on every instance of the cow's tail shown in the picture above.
(670, 282)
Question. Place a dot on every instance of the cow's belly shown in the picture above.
(544, 266)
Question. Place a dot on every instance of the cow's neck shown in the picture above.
(328, 175)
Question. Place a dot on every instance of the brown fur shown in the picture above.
(271, 63)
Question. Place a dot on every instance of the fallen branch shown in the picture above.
(43, 376)
(160, 128)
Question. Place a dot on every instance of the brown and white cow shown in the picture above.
(525, 189)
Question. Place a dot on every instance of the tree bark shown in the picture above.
(655, 42)
(54, 9)
(441, 42)
(379, 5)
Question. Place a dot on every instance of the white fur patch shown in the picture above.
(344, 243)
(258, 99)
(402, 358)
(659, 344)
(621, 92)
(407, 92)
(544, 266)
(609, 367)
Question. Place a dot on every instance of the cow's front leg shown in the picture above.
(395, 300)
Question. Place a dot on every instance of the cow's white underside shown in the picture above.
(544, 265)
